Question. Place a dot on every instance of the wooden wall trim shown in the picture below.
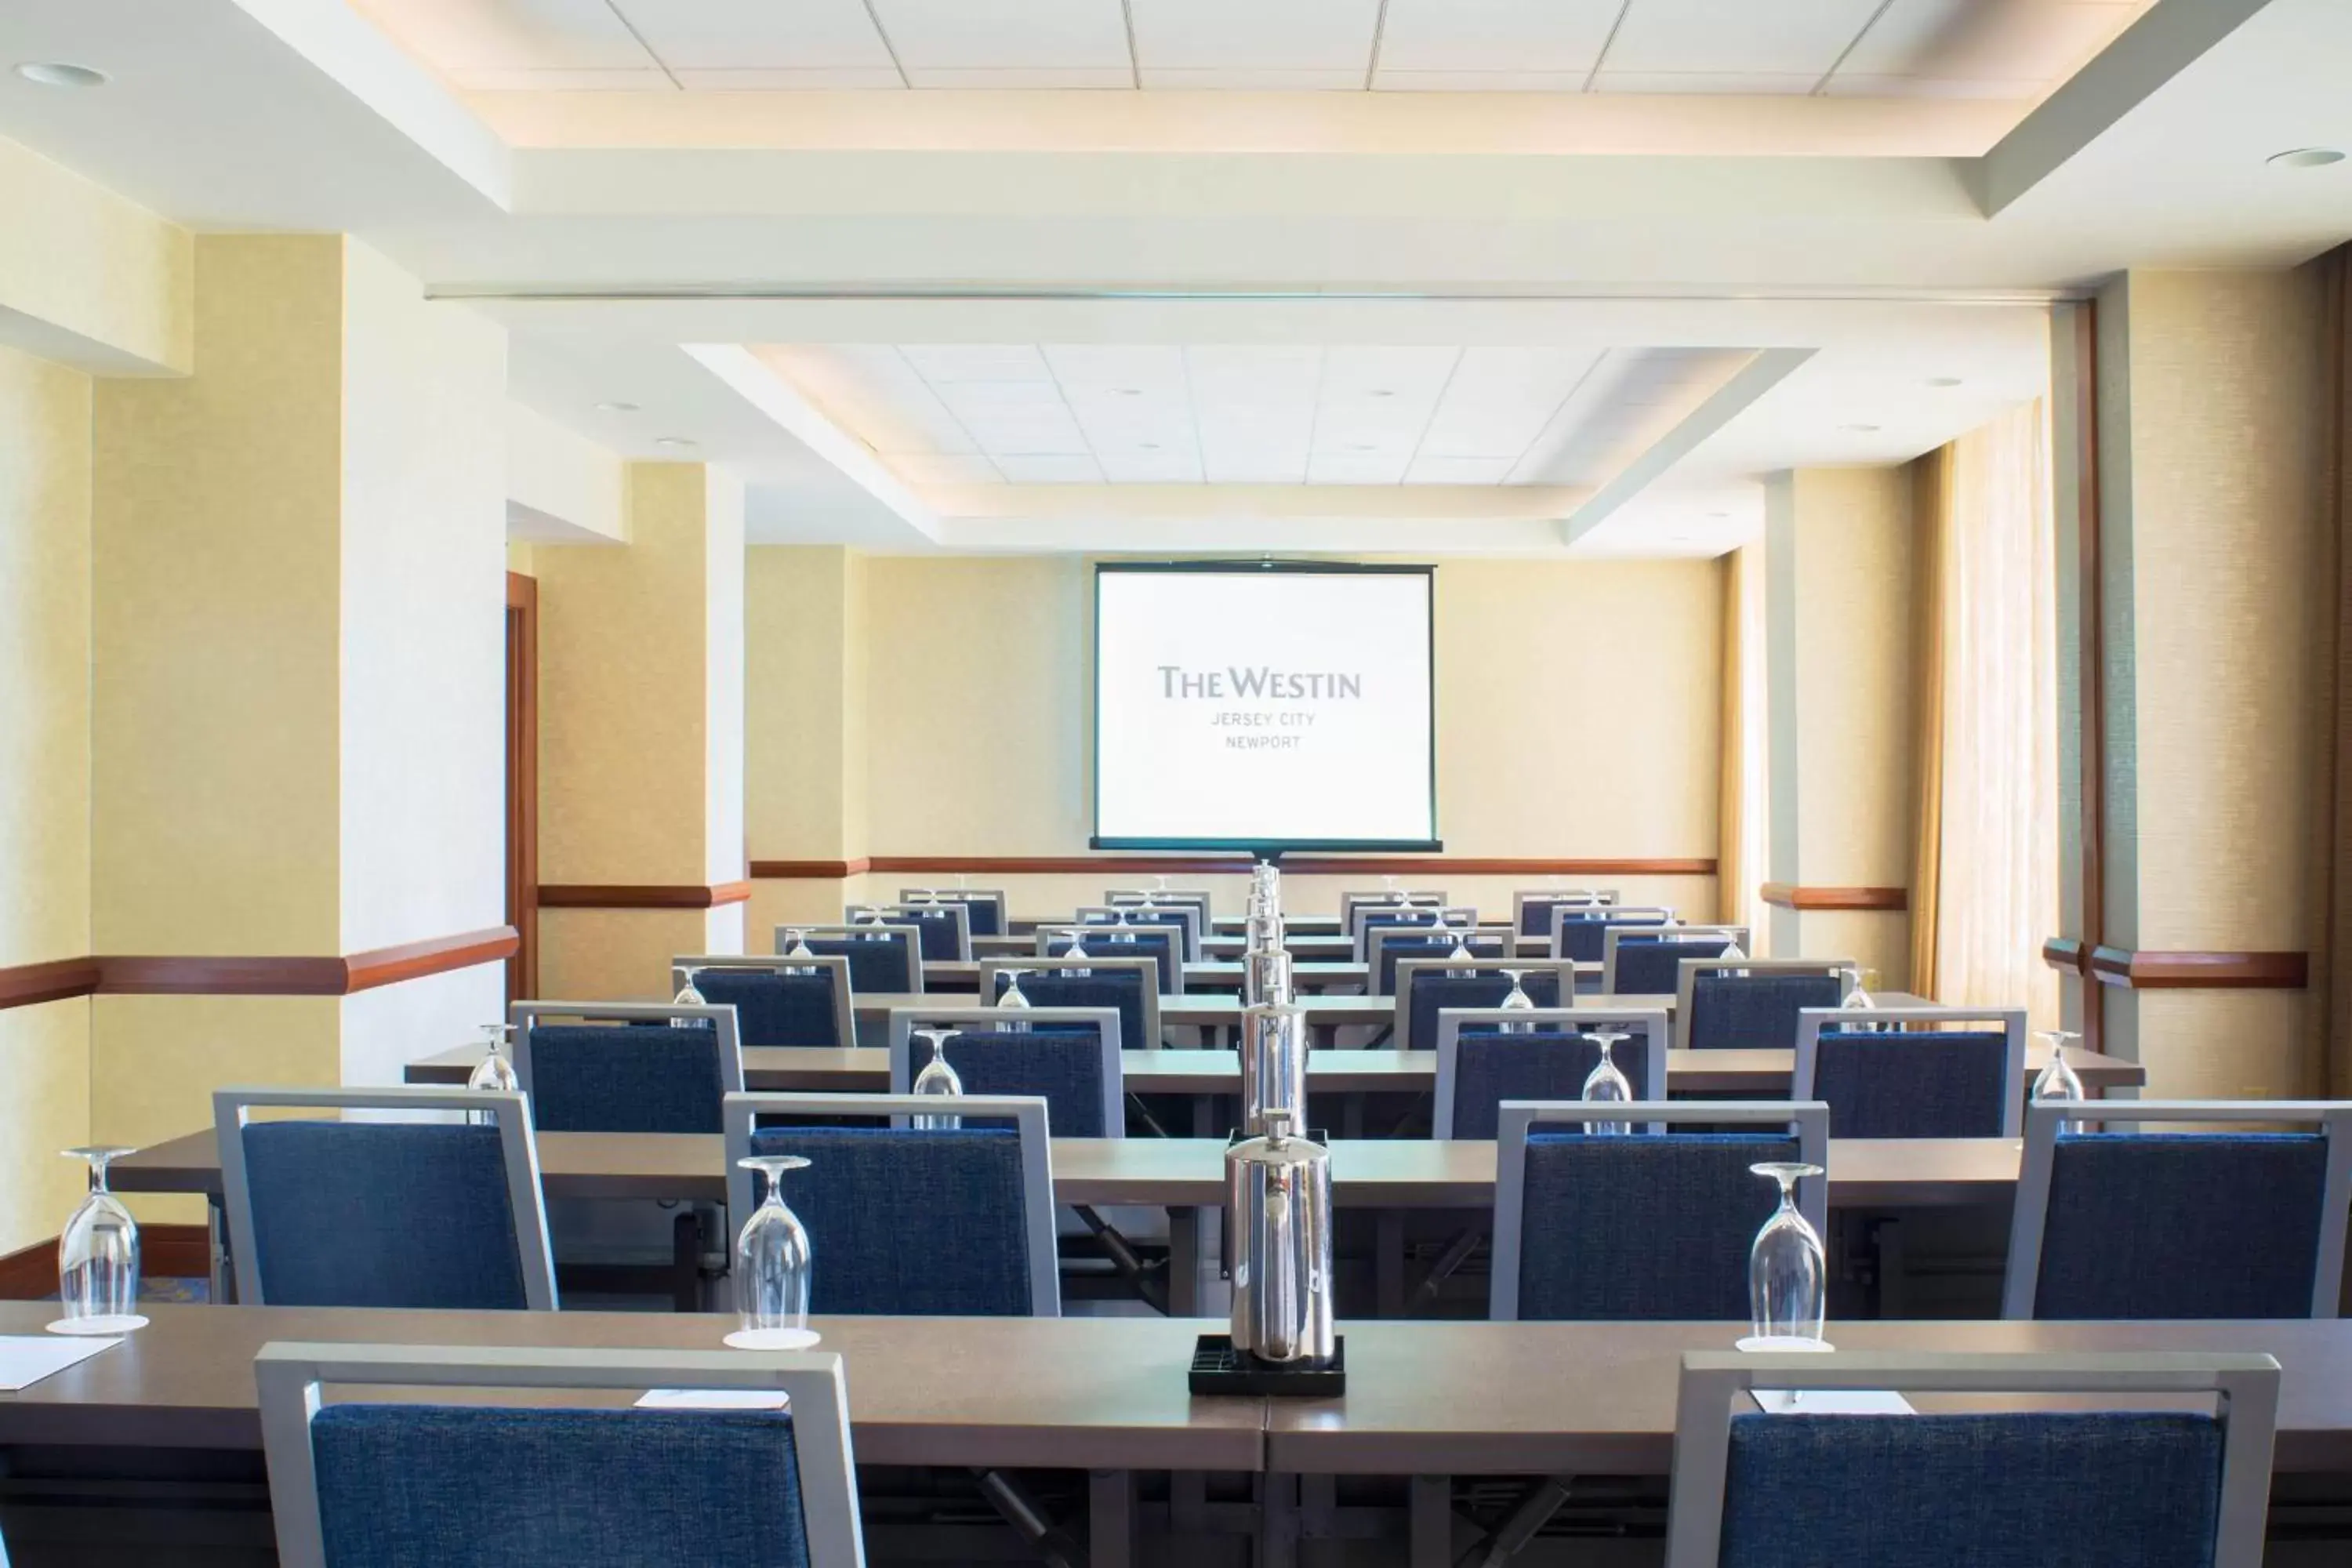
(1788, 896)
(2091, 657)
(2148, 969)
(641, 895)
(238, 974)
(165, 1252)
(1226, 865)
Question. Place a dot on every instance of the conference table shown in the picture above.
(1215, 974)
(169, 1417)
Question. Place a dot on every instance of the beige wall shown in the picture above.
(45, 413)
(89, 278)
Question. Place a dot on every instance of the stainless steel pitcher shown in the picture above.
(1265, 978)
(1274, 1064)
(1279, 1189)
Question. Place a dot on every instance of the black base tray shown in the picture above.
(1218, 1368)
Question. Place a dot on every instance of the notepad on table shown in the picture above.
(26, 1359)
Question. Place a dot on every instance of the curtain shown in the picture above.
(1746, 759)
(1991, 893)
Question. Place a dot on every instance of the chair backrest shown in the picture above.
(1370, 918)
(1932, 1071)
(1752, 1003)
(414, 1214)
(1193, 919)
(944, 928)
(1069, 1057)
(2126, 1487)
(777, 1001)
(1350, 902)
(1130, 985)
(2180, 1224)
(1164, 944)
(1531, 908)
(1644, 960)
(1172, 899)
(1478, 1069)
(1642, 1225)
(412, 1481)
(881, 957)
(1580, 933)
(1425, 987)
(626, 1067)
(1385, 946)
(983, 907)
(906, 1221)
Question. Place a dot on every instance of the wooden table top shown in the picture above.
(867, 1068)
(1177, 1173)
(1599, 1398)
(1074, 1393)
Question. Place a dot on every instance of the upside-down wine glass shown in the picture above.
(871, 915)
(772, 1267)
(1011, 997)
(796, 944)
(688, 995)
(496, 1070)
(98, 1258)
(1788, 1272)
(1858, 982)
(937, 1077)
(1605, 1084)
(1076, 953)
(1516, 1000)
(2057, 1080)
(1396, 894)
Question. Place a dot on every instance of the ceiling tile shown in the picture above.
(1378, 397)
(776, 79)
(1389, 80)
(1429, 471)
(1352, 467)
(1845, 84)
(1727, 83)
(1499, 399)
(647, 78)
(871, 391)
(508, 35)
(1736, 37)
(740, 34)
(942, 363)
(944, 469)
(1019, 77)
(1245, 79)
(1014, 35)
(1254, 409)
(2016, 40)
(1051, 470)
(1495, 35)
(1150, 467)
(1256, 34)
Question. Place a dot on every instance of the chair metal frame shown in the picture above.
(1194, 922)
(1614, 933)
(290, 1377)
(966, 896)
(1420, 897)
(1026, 1111)
(2246, 1386)
(910, 914)
(1130, 898)
(844, 1018)
(1453, 918)
(1809, 1120)
(990, 967)
(1048, 934)
(1689, 971)
(1811, 1021)
(904, 1021)
(1650, 1023)
(527, 1015)
(1568, 898)
(510, 1112)
(1410, 969)
(900, 934)
(2030, 1217)
(1374, 938)
(1610, 914)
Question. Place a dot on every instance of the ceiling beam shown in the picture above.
(1759, 376)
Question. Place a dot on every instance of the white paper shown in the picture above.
(26, 1359)
(715, 1399)
(1833, 1402)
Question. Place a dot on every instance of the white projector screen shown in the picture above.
(1264, 706)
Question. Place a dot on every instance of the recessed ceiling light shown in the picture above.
(616, 408)
(1860, 429)
(1361, 446)
(1381, 391)
(675, 443)
(57, 73)
(1147, 446)
(1719, 514)
(2305, 158)
(1127, 390)
(1943, 381)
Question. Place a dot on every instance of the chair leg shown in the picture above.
(1457, 1253)
(1142, 1113)
(1010, 1499)
(1431, 1515)
(1123, 1257)
(686, 1261)
(1509, 1538)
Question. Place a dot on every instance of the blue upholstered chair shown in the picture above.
(1192, 919)
(361, 1484)
(1640, 1224)
(412, 1214)
(912, 1222)
(983, 907)
(1163, 944)
(1647, 960)
(1581, 933)
(1426, 987)
(1353, 903)
(1386, 946)
(626, 1067)
(1478, 1067)
(1202, 923)
(1366, 918)
(1531, 910)
(1130, 985)
(1069, 1057)
(1931, 1071)
(882, 958)
(1753, 1003)
(777, 1001)
(2111, 1488)
(2180, 1224)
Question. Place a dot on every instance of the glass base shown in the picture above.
(112, 1323)
(1780, 1342)
(772, 1339)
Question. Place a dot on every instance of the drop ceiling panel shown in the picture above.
(1019, 77)
(1724, 83)
(646, 79)
(462, 37)
(1500, 35)
(1741, 37)
(944, 362)
(1241, 78)
(1078, 469)
(1005, 35)
(2039, 41)
(746, 34)
(1255, 35)
(1255, 410)
(832, 79)
(1498, 402)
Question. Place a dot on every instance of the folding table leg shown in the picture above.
(1278, 1522)
(1430, 1502)
(223, 1266)
(1110, 1518)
